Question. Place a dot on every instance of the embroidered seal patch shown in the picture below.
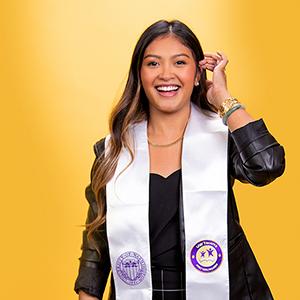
(206, 256)
(131, 268)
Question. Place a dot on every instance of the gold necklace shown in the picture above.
(172, 143)
(165, 145)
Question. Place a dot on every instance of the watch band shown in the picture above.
(227, 105)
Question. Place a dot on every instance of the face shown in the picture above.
(168, 74)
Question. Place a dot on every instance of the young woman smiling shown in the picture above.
(162, 213)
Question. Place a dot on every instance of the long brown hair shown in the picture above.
(133, 108)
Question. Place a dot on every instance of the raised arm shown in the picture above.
(254, 154)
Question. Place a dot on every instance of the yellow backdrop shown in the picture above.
(64, 63)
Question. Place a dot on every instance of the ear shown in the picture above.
(199, 70)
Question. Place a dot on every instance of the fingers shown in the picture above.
(207, 64)
(211, 56)
(213, 60)
(223, 60)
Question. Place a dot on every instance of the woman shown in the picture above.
(162, 212)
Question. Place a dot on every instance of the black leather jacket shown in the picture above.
(254, 156)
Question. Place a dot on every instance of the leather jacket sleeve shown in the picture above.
(255, 155)
(93, 269)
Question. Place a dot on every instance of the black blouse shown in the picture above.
(164, 221)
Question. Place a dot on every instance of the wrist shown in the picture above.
(231, 111)
(221, 97)
(227, 107)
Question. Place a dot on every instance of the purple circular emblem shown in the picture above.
(206, 256)
(131, 268)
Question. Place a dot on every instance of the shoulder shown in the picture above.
(99, 146)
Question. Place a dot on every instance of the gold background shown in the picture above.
(63, 63)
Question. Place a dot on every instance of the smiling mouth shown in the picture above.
(168, 91)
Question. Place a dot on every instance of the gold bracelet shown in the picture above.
(226, 105)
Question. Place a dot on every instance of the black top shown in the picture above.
(164, 221)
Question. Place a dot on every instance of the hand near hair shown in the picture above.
(217, 87)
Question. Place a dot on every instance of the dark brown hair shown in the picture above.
(133, 107)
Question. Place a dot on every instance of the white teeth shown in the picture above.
(167, 88)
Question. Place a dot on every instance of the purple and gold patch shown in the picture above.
(131, 268)
(206, 256)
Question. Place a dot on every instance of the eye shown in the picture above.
(181, 62)
(151, 63)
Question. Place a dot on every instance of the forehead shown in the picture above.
(167, 46)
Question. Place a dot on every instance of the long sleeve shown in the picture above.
(255, 155)
(93, 269)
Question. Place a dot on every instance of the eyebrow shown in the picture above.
(157, 56)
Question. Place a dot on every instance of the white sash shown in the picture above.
(204, 191)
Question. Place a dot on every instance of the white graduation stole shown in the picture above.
(204, 186)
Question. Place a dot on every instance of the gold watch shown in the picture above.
(226, 105)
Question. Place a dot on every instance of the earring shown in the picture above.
(196, 83)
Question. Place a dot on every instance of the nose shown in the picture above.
(166, 72)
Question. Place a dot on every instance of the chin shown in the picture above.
(169, 106)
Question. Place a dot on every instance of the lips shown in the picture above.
(169, 90)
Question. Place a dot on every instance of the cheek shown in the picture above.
(188, 76)
(147, 82)
(145, 79)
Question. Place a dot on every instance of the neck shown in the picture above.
(168, 126)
